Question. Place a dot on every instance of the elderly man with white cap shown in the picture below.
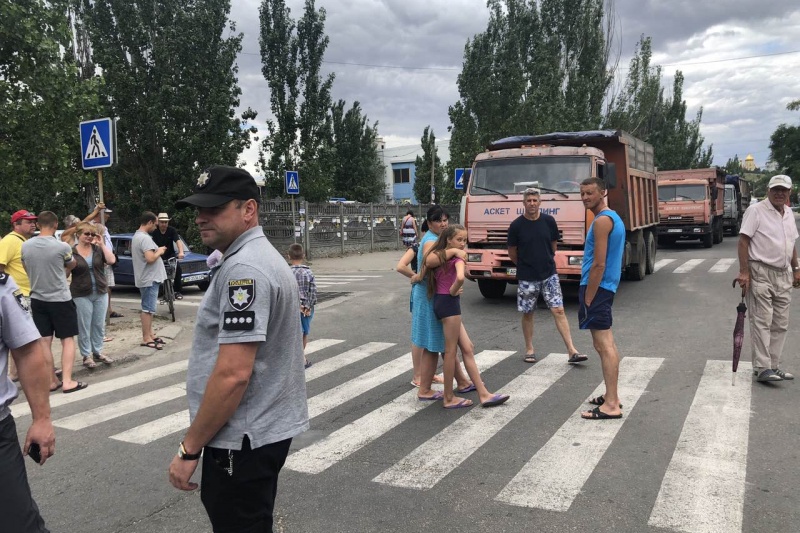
(768, 268)
(166, 235)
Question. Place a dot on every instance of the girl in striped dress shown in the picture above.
(408, 229)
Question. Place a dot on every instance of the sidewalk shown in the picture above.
(368, 262)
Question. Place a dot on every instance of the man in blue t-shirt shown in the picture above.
(532, 240)
(601, 272)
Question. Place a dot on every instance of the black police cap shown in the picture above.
(218, 185)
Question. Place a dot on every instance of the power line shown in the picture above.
(730, 59)
(371, 65)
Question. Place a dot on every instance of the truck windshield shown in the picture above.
(675, 193)
(509, 176)
(729, 194)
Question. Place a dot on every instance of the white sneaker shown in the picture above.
(783, 375)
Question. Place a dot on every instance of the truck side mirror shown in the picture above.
(608, 173)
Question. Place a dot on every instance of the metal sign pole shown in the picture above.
(102, 201)
(294, 222)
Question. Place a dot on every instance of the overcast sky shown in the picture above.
(400, 59)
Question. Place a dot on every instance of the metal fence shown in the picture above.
(327, 230)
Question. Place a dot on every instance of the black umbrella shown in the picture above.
(738, 334)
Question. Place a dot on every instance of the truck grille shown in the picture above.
(497, 236)
(676, 220)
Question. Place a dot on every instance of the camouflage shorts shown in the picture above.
(528, 292)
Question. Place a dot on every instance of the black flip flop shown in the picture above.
(597, 414)
(530, 358)
(81, 385)
(57, 386)
(577, 358)
(600, 400)
(152, 344)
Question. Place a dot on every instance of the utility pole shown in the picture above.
(433, 170)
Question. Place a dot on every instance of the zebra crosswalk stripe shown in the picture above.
(554, 476)
(96, 389)
(722, 265)
(113, 410)
(661, 263)
(349, 357)
(348, 439)
(325, 401)
(432, 461)
(156, 429)
(688, 266)
(320, 344)
(704, 487)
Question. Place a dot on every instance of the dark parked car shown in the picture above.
(193, 266)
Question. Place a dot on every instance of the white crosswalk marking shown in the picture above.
(722, 265)
(349, 357)
(661, 263)
(344, 276)
(555, 475)
(156, 429)
(345, 441)
(320, 344)
(96, 389)
(325, 401)
(687, 266)
(704, 487)
(124, 407)
(432, 461)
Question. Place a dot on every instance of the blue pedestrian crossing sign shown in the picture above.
(98, 143)
(461, 173)
(292, 182)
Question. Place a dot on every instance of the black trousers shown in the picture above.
(18, 511)
(178, 282)
(241, 500)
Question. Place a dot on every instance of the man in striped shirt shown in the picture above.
(307, 287)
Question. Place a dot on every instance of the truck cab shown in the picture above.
(691, 205)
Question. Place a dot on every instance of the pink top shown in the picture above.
(446, 275)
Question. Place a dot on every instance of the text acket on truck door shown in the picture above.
(520, 211)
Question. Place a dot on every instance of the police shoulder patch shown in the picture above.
(3, 279)
(21, 300)
(239, 320)
(241, 293)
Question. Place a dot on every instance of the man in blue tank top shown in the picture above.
(600, 275)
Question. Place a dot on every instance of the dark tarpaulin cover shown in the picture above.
(732, 179)
(559, 136)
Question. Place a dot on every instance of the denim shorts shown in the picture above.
(598, 315)
(149, 298)
(305, 322)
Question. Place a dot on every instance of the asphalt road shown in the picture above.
(692, 453)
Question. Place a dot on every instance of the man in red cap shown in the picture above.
(23, 227)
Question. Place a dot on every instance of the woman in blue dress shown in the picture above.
(426, 329)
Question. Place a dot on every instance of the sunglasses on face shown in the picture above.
(89, 233)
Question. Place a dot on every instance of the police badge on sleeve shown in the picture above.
(241, 294)
(22, 301)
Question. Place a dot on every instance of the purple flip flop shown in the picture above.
(437, 395)
(459, 405)
(468, 388)
(497, 399)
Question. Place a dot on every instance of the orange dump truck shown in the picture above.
(556, 163)
(691, 205)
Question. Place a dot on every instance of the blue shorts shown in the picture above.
(305, 322)
(445, 305)
(149, 298)
(597, 315)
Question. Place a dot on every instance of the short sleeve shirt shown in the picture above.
(534, 242)
(44, 259)
(144, 273)
(168, 239)
(11, 257)
(772, 234)
(253, 297)
(16, 329)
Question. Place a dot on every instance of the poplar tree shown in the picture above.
(422, 182)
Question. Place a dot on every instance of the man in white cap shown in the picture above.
(768, 268)
(166, 235)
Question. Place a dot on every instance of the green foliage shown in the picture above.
(734, 166)
(538, 67)
(169, 71)
(430, 158)
(300, 134)
(42, 100)
(359, 172)
(784, 146)
(642, 110)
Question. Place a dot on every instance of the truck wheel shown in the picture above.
(637, 270)
(708, 240)
(650, 250)
(492, 288)
(717, 232)
(736, 227)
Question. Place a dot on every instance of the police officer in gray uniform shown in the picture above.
(18, 511)
(246, 383)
